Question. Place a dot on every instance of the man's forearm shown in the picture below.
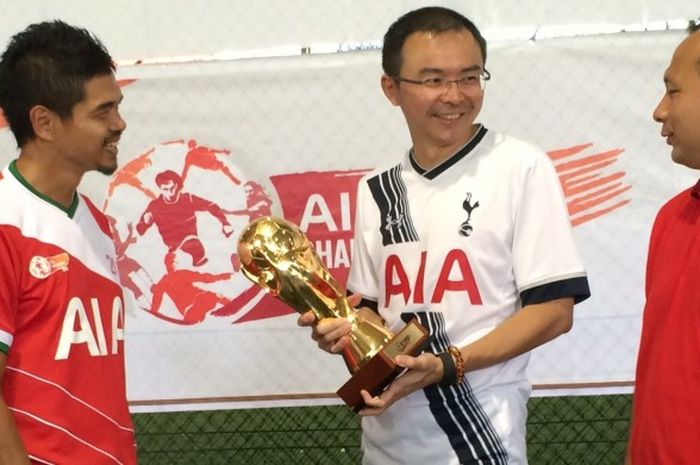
(528, 328)
(12, 451)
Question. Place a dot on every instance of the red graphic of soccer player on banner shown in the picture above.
(130, 269)
(258, 203)
(205, 158)
(193, 302)
(128, 175)
(174, 214)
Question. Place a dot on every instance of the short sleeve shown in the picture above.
(363, 278)
(9, 285)
(546, 260)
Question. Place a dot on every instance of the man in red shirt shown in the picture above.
(62, 382)
(666, 414)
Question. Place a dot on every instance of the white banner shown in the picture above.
(292, 136)
(167, 29)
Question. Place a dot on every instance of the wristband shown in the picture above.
(449, 373)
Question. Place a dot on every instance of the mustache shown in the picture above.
(114, 136)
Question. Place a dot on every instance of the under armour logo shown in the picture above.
(389, 222)
(465, 229)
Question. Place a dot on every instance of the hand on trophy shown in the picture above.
(421, 371)
(279, 257)
(331, 334)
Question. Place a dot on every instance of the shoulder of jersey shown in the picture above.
(385, 166)
(509, 146)
(10, 188)
(99, 217)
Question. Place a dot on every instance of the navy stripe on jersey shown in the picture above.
(573, 287)
(389, 193)
(444, 166)
(455, 408)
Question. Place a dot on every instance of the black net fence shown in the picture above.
(561, 430)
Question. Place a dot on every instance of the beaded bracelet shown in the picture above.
(459, 362)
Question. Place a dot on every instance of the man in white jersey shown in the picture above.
(469, 233)
(63, 397)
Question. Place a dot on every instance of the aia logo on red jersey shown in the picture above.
(43, 267)
(175, 212)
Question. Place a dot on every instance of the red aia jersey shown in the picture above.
(61, 327)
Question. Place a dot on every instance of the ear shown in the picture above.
(44, 122)
(391, 89)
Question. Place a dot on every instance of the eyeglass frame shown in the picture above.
(444, 84)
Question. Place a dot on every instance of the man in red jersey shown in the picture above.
(61, 307)
(666, 413)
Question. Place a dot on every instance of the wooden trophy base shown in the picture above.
(380, 370)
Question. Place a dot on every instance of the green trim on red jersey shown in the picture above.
(70, 211)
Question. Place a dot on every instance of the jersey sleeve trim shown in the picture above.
(573, 287)
(5, 341)
(369, 303)
(366, 303)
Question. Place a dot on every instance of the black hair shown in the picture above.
(48, 64)
(430, 19)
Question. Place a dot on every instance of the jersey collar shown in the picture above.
(695, 190)
(452, 159)
(70, 211)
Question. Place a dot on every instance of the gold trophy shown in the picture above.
(277, 255)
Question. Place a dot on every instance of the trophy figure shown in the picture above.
(277, 255)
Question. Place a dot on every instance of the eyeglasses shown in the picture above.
(470, 81)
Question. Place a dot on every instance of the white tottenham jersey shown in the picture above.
(462, 247)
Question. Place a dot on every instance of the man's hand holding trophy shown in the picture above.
(277, 255)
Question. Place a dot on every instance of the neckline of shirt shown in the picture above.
(695, 190)
(462, 152)
(70, 210)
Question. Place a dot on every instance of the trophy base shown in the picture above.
(380, 370)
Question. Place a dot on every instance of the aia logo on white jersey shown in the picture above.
(43, 267)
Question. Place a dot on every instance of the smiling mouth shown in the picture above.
(112, 147)
(449, 117)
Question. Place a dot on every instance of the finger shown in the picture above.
(370, 400)
(354, 299)
(306, 319)
(314, 335)
(333, 328)
(336, 333)
(340, 345)
(367, 398)
(373, 404)
(406, 361)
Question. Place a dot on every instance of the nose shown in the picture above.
(119, 125)
(452, 92)
(661, 111)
